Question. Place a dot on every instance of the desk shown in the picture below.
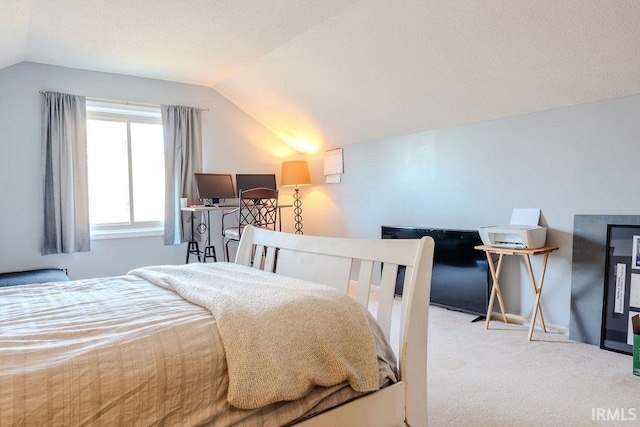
(495, 276)
(209, 249)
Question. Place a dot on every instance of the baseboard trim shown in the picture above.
(521, 320)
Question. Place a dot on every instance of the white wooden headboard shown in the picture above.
(329, 261)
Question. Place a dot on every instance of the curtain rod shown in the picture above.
(124, 102)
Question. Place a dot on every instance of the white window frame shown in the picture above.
(114, 111)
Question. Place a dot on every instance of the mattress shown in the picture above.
(123, 351)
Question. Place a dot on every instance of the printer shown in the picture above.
(523, 231)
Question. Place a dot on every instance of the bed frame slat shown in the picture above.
(364, 282)
(385, 297)
(257, 257)
(405, 307)
(270, 259)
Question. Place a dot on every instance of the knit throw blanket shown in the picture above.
(282, 336)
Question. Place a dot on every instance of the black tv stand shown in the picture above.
(477, 319)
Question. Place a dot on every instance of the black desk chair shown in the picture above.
(257, 207)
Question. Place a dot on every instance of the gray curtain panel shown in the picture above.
(64, 168)
(182, 158)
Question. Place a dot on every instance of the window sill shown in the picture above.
(126, 233)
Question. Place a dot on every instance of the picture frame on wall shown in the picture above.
(621, 288)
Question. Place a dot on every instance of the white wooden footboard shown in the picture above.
(329, 261)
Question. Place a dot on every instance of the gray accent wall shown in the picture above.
(232, 142)
(579, 160)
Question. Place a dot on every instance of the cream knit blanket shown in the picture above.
(282, 336)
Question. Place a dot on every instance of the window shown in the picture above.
(125, 151)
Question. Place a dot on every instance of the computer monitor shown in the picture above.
(246, 181)
(214, 186)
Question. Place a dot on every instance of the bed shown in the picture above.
(248, 343)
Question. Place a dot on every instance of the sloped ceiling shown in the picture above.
(325, 73)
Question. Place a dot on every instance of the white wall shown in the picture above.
(577, 160)
(574, 160)
(232, 142)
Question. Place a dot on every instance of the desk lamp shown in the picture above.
(296, 174)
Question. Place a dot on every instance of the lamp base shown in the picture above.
(297, 211)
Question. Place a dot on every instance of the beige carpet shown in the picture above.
(495, 377)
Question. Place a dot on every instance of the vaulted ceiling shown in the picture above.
(334, 72)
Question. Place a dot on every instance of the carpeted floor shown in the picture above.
(495, 377)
